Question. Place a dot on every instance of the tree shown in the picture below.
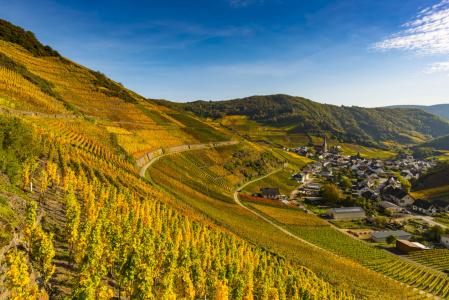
(389, 212)
(380, 221)
(406, 185)
(345, 183)
(330, 192)
(392, 238)
(434, 232)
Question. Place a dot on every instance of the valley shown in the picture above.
(106, 194)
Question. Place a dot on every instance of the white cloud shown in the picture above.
(437, 67)
(428, 34)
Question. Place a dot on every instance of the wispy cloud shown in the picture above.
(427, 34)
(243, 3)
(437, 67)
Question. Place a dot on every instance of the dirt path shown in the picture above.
(237, 200)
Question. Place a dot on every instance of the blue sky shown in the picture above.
(364, 53)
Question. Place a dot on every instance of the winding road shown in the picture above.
(237, 200)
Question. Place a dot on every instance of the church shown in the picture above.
(321, 148)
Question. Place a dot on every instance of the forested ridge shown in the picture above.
(375, 124)
(441, 110)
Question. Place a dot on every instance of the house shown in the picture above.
(301, 177)
(380, 237)
(307, 168)
(326, 172)
(363, 190)
(314, 200)
(313, 186)
(386, 204)
(444, 240)
(401, 197)
(368, 182)
(367, 195)
(346, 213)
(408, 247)
(441, 205)
(423, 206)
(271, 193)
(391, 181)
(406, 174)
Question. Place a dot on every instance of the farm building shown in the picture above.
(314, 200)
(380, 237)
(408, 247)
(394, 207)
(346, 213)
(313, 186)
(272, 193)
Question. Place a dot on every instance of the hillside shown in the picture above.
(72, 199)
(434, 183)
(300, 115)
(440, 143)
(441, 110)
(77, 217)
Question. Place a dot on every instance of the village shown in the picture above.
(368, 198)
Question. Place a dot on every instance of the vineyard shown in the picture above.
(338, 271)
(375, 259)
(437, 259)
(281, 180)
(178, 168)
(290, 216)
(121, 231)
(77, 215)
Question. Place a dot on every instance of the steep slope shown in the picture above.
(43, 81)
(96, 230)
(299, 115)
(441, 110)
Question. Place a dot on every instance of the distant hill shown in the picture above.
(440, 143)
(407, 126)
(441, 110)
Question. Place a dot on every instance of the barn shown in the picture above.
(408, 247)
(380, 237)
(346, 213)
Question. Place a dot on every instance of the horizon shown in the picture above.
(370, 54)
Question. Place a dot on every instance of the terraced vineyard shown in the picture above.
(375, 259)
(290, 216)
(437, 259)
(176, 167)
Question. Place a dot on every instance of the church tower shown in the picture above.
(324, 146)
